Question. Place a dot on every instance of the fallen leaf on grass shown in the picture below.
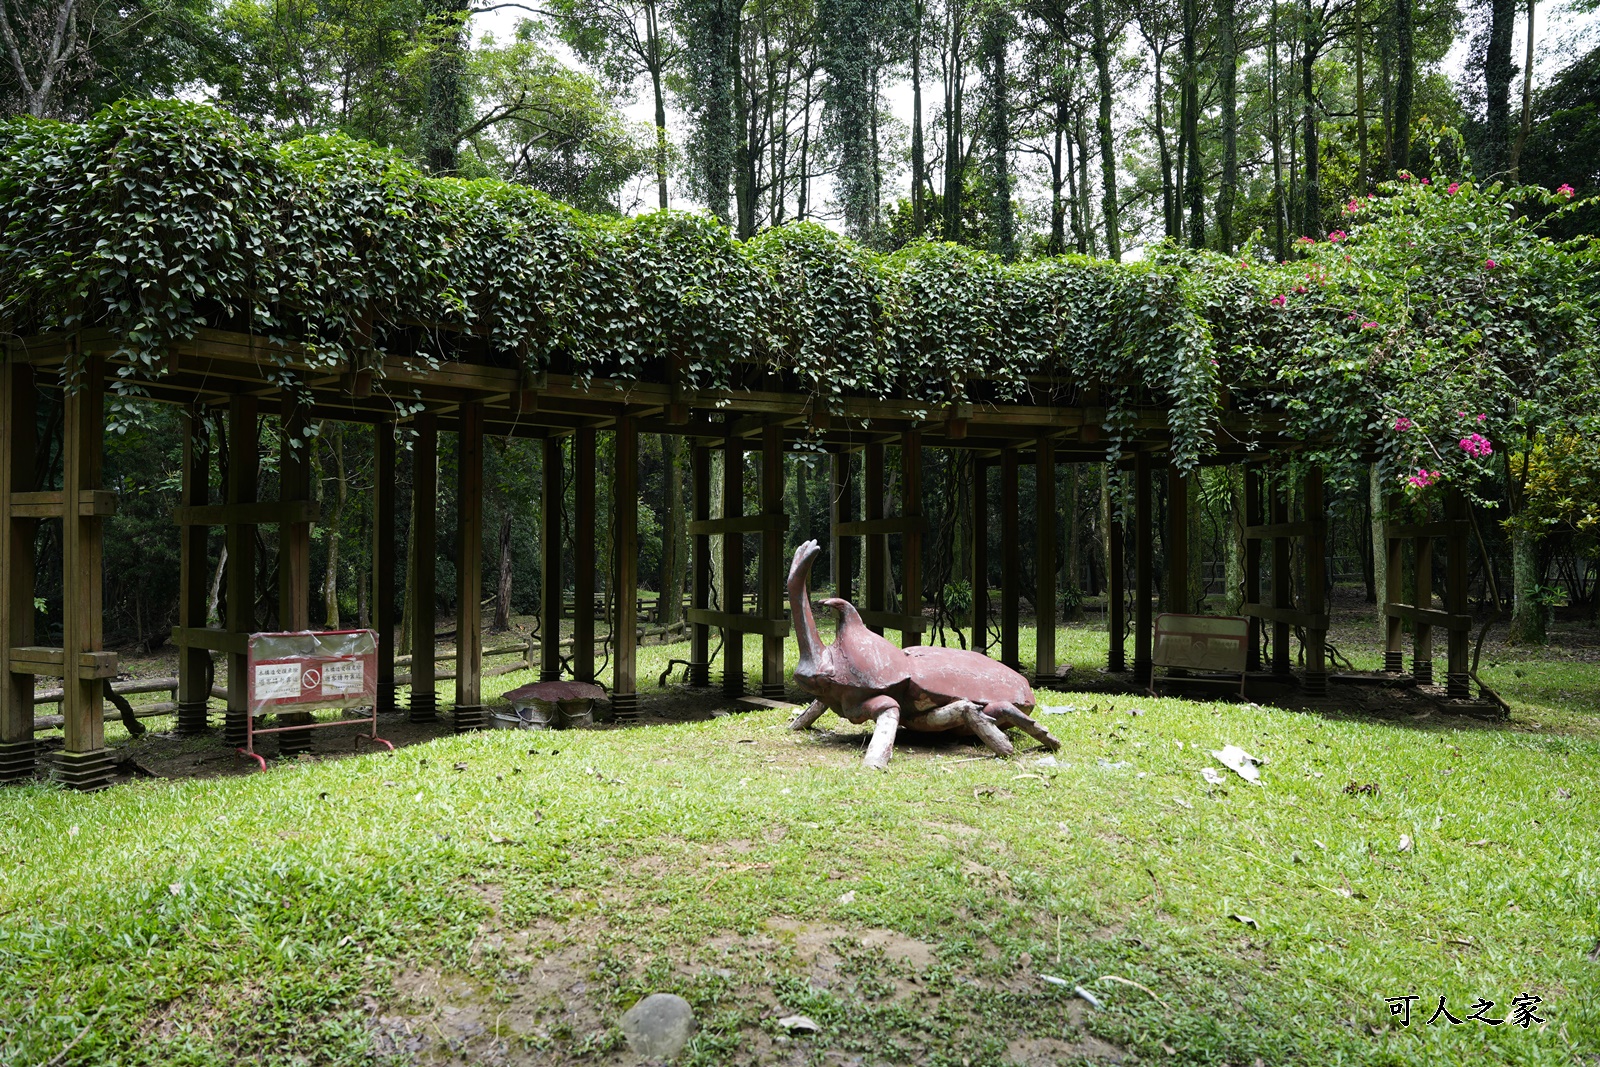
(496, 839)
(847, 898)
(798, 1024)
(1211, 775)
(1405, 842)
(459, 767)
(1247, 920)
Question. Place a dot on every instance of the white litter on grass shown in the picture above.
(1093, 1001)
(1210, 775)
(1239, 762)
(1117, 766)
(1045, 761)
(1056, 709)
(1053, 980)
(799, 1023)
(847, 898)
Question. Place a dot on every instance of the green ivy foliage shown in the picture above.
(155, 219)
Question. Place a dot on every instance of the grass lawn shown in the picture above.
(467, 900)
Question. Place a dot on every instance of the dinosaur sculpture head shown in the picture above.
(859, 661)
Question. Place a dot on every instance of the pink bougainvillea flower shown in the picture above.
(1481, 416)
(1453, 187)
(1461, 414)
(1352, 207)
(1489, 264)
(1567, 191)
(1369, 325)
(1427, 181)
(1280, 300)
(1402, 424)
(1304, 240)
(1423, 478)
(1352, 317)
(1405, 175)
(1477, 445)
(1337, 236)
(1299, 288)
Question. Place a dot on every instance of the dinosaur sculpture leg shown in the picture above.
(982, 725)
(804, 720)
(886, 710)
(1010, 715)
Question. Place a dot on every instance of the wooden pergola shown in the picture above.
(473, 392)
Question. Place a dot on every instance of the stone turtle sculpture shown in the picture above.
(862, 677)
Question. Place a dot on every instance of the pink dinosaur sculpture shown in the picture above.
(863, 677)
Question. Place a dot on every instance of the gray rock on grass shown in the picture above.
(659, 1026)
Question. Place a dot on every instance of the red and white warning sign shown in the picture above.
(312, 670)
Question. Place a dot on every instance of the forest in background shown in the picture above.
(1037, 128)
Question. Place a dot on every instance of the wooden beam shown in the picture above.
(739, 623)
(777, 523)
(1116, 577)
(1316, 568)
(469, 714)
(243, 463)
(1290, 616)
(260, 513)
(1394, 656)
(1143, 567)
(212, 639)
(911, 536)
(1428, 617)
(843, 513)
(294, 545)
(700, 576)
(1044, 660)
(18, 421)
(53, 663)
(586, 538)
(624, 632)
(194, 663)
(1456, 677)
(84, 762)
(1254, 515)
(895, 620)
(424, 566)
(1010, 563)
(52, 504)
(383, 559)
(1282, 588)
(770, 603)
(1176, 598)
(732, 567)
(979, 576)
(551, 577)
(1422, 633)
(875, 574)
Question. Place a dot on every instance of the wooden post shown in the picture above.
(550, 578)
(911, 540)
(1316, 548)
(84, 763)
(624, 631)
(1044, 661)
(294, 548)
(1177, 591)
(733, 566)
(844, 510)
(383, 559)
(875, 573)
(980, 555)
(1010, 573)
(1116, 587)
(424, 567)
(1143, 566)
(1394, 589)
(1456, 679)
(1422, 636)
(1282, 585)
(583, 553)
(469, 714)
(700, 565)
(772, 569)
(1254, 515)
(194, 664)
(243, 462)
(18, 440)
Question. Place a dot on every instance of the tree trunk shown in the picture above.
(332, 434)
(653, 46)
(1527, 102)
(1228, 189)
(1233, 595)
(1312, 224)
(1405, 76)
(1280, 198)
(1085, 208)
(1194, 177)
(919, 166)
(1108, 158)
(1497, 75)
(446, 102)
(1527, 612)
(955, 163)
(1361, 100)
(997, 39)
(1074, 561)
